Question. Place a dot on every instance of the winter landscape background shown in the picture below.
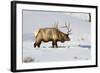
(79, 48)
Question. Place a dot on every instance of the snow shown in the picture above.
(63, 53)
(79, 48)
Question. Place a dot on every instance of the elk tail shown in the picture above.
(36, 32)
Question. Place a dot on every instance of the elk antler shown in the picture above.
(55, 25)
(68, 28)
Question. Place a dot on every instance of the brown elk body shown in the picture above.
(50, 34)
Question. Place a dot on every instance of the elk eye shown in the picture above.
(67, 35)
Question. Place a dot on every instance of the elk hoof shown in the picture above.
(34, 45)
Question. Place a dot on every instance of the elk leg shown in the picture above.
(35, 45)
(56, 44)
(52, 44)
(39, 44)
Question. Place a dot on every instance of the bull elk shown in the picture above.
(52, 34)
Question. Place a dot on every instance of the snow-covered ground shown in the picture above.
(79, 48)
(65, 52)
